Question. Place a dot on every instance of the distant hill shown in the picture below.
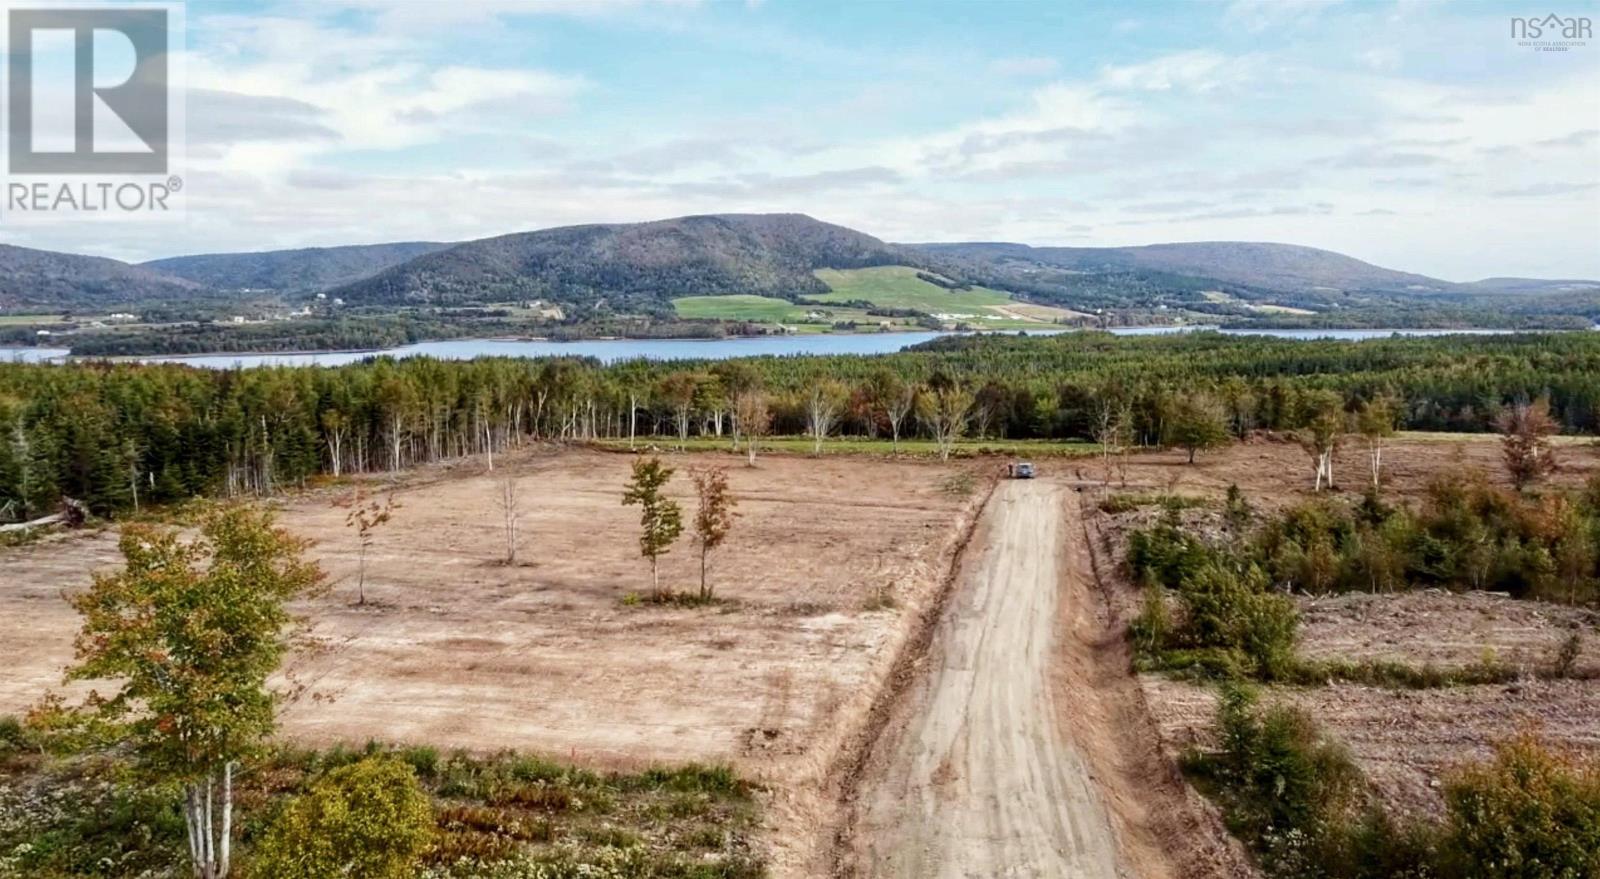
(44, 278)
(634, 266)
(291, 271)
(640, 268)
(1532, 285)
(1269, 267)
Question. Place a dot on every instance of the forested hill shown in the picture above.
(44, 278)
(302, 270)
(636, 266)
(1279, 267)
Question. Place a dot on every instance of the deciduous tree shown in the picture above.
(190, 632)
(1525, 431)
(511, 515)
(714, 517)
(1197, 424)
(942, 408)
(366, 517)
(754, 418)
(823, 404)
(660, 518)
(1375, 423)
(1325, 424)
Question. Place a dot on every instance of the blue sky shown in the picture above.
(1415, 135)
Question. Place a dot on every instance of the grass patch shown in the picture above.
(802, 445)
(1127, 502)
(509, 815)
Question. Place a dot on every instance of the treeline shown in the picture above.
(362, 332)
(117, 435)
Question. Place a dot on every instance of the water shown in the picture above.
(612, 350)
(31, 355)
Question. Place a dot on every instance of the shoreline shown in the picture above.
(27, 354)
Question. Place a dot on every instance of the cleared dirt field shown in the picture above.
(1274, 471)
(456, 649)
(957, 721)
(1405, 741)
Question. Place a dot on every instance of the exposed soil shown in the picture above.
(456, 649)
(1273, 470)
(1405, 741)
(976, 778)
(1449, 630)
(990, 707)
(1024, 748)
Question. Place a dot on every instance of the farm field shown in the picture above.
(739, 307)
(886, 287)
(765, 309)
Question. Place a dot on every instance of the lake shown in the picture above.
(612, 350)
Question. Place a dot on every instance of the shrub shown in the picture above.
(1280, 771)
(1297, 800)
(1229, 621)
(1532, 811)
(367, 820)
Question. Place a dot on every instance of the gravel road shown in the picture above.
(973, 777)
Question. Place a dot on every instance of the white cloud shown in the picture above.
(1196, 71)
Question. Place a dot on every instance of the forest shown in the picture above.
(115, 436)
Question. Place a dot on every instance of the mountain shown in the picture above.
(292, 271)
(43, 278)
(1284, 268)
(633, 266)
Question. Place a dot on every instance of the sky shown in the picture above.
(1415, 135)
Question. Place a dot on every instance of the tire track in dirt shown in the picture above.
(974, 775)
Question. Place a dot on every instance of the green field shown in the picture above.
(882, 286)
(739, 307)
(765, 309)
(899, 287)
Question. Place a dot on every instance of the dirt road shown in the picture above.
(974, 776)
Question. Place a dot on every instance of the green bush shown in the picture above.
(1282, 773)
(1228, 623)
(1532, 811)
(1298, 801)
(366, 820)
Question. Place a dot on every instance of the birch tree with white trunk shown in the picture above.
(189, 632)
